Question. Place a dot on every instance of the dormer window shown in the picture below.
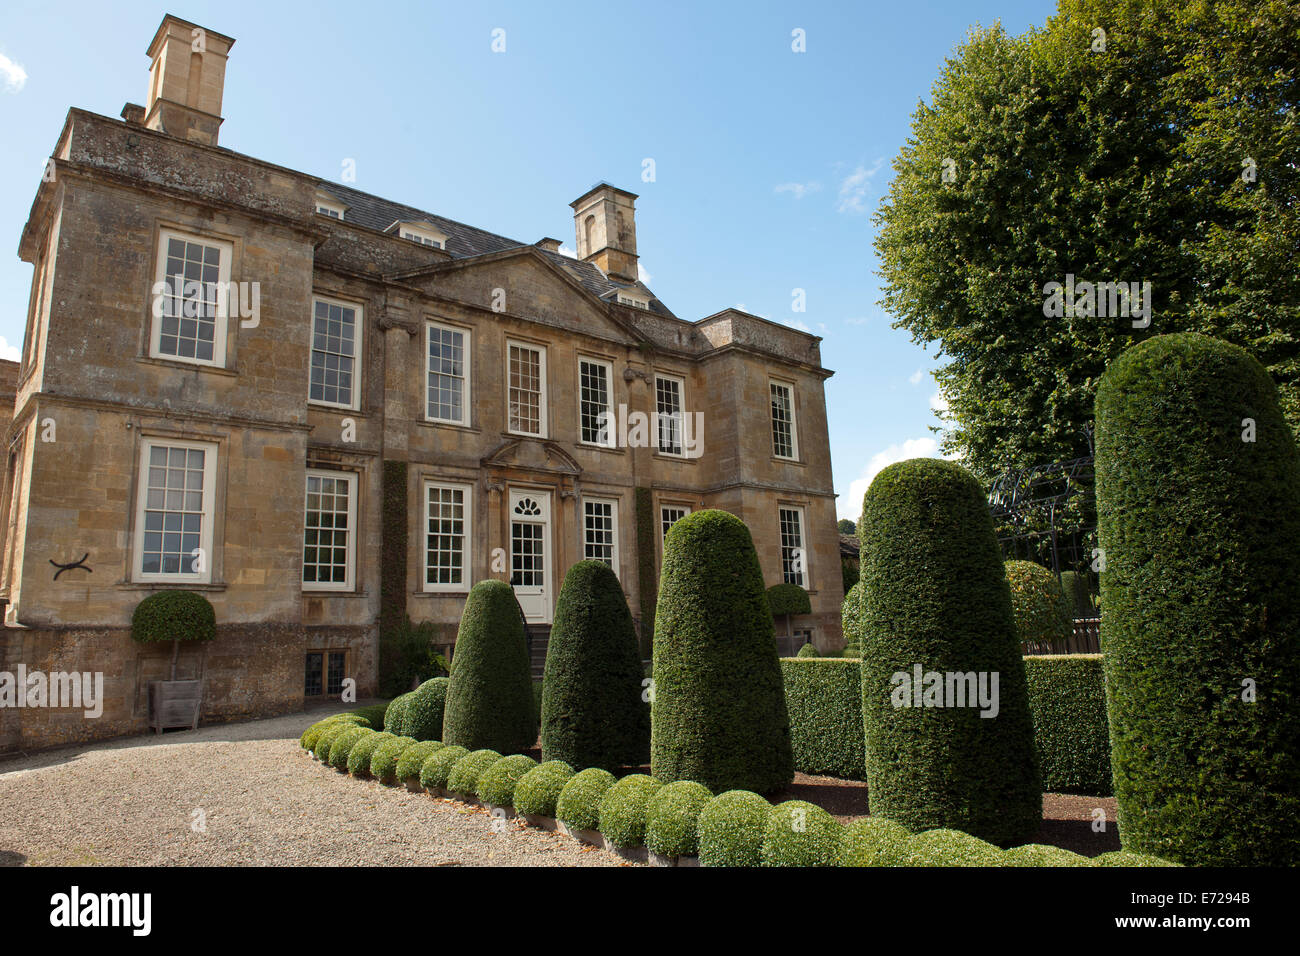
(633, 301)
(327, 205)
(423, 233)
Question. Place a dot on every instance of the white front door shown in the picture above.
(530, 553)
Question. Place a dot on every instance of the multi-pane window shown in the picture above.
(595, 411)
(668, 405)
(794, 558)
(600, 531)
(669, 515)
(783, 437)
(327, 211)
(335, 337)
(423, 240)
(329, 536)
(527, 389)
(447, 542)
(527, 555)
(174, 518)
(448, 372)
(188, 307)
(325, 671)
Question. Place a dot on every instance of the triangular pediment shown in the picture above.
(524, 283)
(533, 454)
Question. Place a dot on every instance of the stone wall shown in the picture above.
(249, 670)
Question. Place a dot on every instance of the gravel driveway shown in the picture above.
(243, 794)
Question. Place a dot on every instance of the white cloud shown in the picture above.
(566, 251)
(9, 352)
(13, 76)
(915, 377)
(938, 403)
(850, 505)
(798, 190)
(855, 186)
(642, 274)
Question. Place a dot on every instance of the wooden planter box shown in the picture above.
(175, 703)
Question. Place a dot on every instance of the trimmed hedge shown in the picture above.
(951, 848)
(434, 771)
(798, 833)
(788, 599)
(1122, 858)
(342, 746)
(325, 740)
(395, 716)
(374, 714)
(173, 616)
(422, 718)
(496, 784)
(808, 650)
(1067, 697)
(1042, 611)
(851, 612)
(361, 752)
(1080, 593)
(464, 775)
(312, 734)
(578, 806)
(592, 711)
(1040, 854)
(672, 817)
(730, 829)
(383, 762)
(824, 699)
(539, 789)
(939, 601)
(719, 715)
(623, 809)
(413, 758)
(490, 698)
(1199, 519)
(875, 841)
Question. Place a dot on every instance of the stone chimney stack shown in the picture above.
(605, 220)
(186, 78)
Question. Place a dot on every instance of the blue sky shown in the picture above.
(768, 163)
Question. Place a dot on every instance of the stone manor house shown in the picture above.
(325, 410)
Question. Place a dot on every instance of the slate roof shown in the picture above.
(464, 241)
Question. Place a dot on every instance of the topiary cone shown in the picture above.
(938, 598)
(490, 692)
(1201, 603)
(719, 715)
(592, 711)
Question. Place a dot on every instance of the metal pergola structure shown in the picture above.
(1035, 511)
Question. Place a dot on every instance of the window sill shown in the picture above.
(464, 593)
(188, 366)
(309, 592)
(789, 461)
(678, 458)
(168, 586)
(434, 423)
(592, 446)
(338, 409)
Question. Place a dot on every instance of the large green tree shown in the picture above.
(1112, 156)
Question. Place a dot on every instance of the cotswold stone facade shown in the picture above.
(346, 410)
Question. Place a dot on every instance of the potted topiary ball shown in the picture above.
(174, 616)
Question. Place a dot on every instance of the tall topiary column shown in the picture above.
(1198, 498)
(490, 694)
(592, 711)
(719, 715)
(938, 604)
